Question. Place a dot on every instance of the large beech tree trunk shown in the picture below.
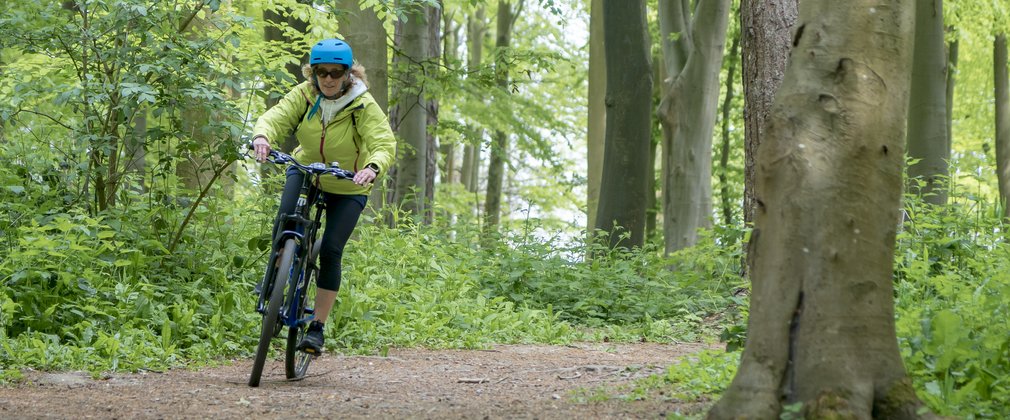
(500, 142)
(927, 107)
(626, 152)
(693, 45)
(410, 117)
(766, 39)
(597, 123)
(821, 328)
(367, 35)
(431, 104)
(476, 29)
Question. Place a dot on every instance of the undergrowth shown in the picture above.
(102, 292)
(952, 311)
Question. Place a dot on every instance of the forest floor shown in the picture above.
(507, 381)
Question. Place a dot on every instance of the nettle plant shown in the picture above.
(952, 299)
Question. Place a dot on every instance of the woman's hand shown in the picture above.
(261, 148)
(364, 176)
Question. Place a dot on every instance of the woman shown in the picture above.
(334, 119)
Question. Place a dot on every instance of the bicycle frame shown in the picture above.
(294, 250)
(304, 231)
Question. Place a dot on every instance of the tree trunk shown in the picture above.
(272, 33)
(727, 103)
(1002, 94)
(821, 329)
(365, 33)
(431, 165)
(198, 157)
(450, 39)
(652, 205)
(927, 107)
(628, 133)
(499, 145)
(597, 123)
(476, 29)
(688, 113)
(952, 50)
(412, 117)
(766, 39)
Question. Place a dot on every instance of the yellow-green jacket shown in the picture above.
(358, 135)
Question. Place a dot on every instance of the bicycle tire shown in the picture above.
(296, 363)
(271, 319)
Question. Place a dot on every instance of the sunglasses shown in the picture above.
(333, 74)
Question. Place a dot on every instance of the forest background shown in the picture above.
(134, 228)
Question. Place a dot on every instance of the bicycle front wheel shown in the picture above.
(296, 363)
(271, 318)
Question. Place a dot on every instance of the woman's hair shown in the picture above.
(357, 70)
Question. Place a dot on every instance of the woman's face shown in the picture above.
(331, 78)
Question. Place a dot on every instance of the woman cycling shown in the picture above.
(334, 119)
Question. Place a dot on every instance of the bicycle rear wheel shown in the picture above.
(296, 363)
(271, 318)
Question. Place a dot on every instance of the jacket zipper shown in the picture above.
(322, 138)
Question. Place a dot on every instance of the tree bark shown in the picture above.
(1002, 95)
(367, 36)
(821, 329)
(476, 30)
(272, 33)
(952, 52)
(412, 117)
(431, 104)
(688, 113)
(927, 108)
(499, 144)
(727, 103)
(621, 211)
(450, 39)
(766, 39)
(597, 122)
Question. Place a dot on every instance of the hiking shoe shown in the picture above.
(312, 343)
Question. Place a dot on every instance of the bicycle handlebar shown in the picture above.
(319, 168)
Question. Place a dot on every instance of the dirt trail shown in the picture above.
(515, 381)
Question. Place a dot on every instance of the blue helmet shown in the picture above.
(331, 51)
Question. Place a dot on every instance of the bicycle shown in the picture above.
(289, 282)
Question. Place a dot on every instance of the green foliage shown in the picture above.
(102, 293)
(82, 77)
(413, 287)
(621, 287)
(699, 377)
(952, 294)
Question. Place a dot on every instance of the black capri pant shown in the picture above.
(342, 212)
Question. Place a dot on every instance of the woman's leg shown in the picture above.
(342, 214)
